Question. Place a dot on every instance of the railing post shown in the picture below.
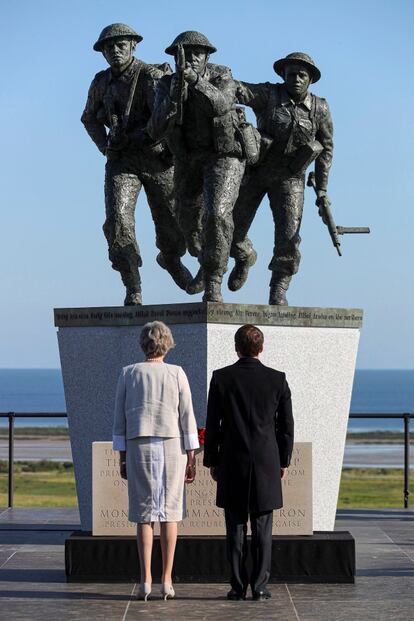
(11, 459)
(406, 460)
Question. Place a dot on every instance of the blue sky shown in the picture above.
(53, 252)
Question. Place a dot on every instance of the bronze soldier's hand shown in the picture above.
(190, 76)
(114, 147)
(323, 202)
(117, 142)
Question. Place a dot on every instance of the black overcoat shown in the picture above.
(249, 435)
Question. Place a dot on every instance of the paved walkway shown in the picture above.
(33, 586)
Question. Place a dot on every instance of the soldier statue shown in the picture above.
(194, 112)
(296, 129)
(118, 107)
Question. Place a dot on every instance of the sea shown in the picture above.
(374, 391)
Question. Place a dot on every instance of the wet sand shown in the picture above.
(356, 455)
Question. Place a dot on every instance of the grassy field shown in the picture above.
(371, 488)
(36, 433)
(52, 484)
(40, 484)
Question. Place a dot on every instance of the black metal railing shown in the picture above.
(406, 418)
(13, 415)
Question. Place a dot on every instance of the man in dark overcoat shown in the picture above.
(248, 446)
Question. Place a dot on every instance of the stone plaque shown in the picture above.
(110, 497)
(296, 517)
(109, 493)
(203, 516)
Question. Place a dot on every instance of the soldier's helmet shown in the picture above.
(116, 30)
(190, 38)
(297, 58)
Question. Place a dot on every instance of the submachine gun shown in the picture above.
(180, 66)
(327, 217)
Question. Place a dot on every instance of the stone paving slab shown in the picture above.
(42, 516)
(362, 611)
(32, 538)
(382, 588)
(33, 586)
(208, 602)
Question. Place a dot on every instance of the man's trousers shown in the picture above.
(261, 549)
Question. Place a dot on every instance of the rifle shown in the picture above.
(327, 217)
(131, 96)
(117, 128)
(180, 66)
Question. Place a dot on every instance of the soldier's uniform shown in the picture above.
(208, 161)
(142, 162)
(290, 126)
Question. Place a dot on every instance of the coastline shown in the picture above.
(362, 450)
(61, 431)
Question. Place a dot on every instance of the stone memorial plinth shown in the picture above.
(316, 347)
(110, 498)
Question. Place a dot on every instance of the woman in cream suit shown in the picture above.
(156, 433)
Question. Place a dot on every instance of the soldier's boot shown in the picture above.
(178, 272)
(279, 284)
(197, 284)
(240, 271)
(212, 292)
(132, 284)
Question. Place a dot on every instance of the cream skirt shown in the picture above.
(156, 471)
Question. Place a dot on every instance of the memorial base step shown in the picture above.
(324, 557)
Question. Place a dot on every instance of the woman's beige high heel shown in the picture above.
(167, 591)
(144, 591)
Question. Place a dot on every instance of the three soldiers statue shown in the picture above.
(205, 170)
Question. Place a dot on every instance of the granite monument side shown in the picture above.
(316, 347)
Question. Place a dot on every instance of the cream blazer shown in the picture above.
(153, 399)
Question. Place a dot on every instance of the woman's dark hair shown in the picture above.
(249, 340)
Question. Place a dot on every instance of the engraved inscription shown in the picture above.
(110, 497)
(211, 313)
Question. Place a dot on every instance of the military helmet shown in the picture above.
(188, 38)
(116, 30)
(298, 58)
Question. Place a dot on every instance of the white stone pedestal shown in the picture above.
(316, 347)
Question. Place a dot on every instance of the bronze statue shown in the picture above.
(296, 129)
(194, 112)
(119, 105)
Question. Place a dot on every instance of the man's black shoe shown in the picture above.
(258, 596)
(236, 595)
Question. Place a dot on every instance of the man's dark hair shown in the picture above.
(249, 340)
